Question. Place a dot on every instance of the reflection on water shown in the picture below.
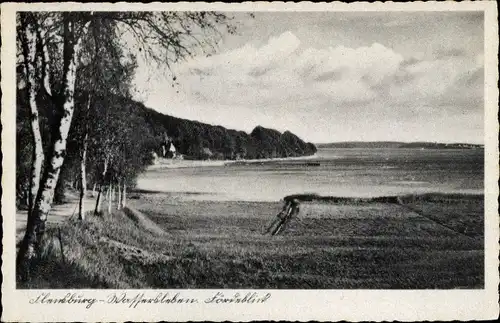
(341, 172)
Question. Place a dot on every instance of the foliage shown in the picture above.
(191, 137)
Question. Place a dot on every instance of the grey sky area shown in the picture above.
(336, 76)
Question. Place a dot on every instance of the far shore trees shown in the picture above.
(53, 44)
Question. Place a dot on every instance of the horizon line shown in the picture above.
(399, 141)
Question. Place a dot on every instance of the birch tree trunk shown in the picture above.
(45, 59)
(29, 41)
(124, 197)
(45, 196)
(83, 175)
(119, 201)
(93, 190)
(98, 201)
(110, 200)
(83, 179)
(27, 196)
(99, 194)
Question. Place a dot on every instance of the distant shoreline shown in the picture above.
(398, 144)
(182, 163)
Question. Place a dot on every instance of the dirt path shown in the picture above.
(58, 214)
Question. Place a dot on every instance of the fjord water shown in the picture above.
(341, 172)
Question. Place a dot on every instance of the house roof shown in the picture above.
(171, 147)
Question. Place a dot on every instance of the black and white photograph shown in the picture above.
(246, 152)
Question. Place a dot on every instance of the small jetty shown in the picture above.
(274, 162)
(308, 164)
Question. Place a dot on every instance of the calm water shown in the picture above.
(342, 172)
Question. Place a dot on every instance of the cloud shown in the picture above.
(280, 71)
(453, 81)
(451, 52)
(287, 85)
(335, 75)
(410, 61)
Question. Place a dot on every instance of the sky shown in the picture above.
(335, 76)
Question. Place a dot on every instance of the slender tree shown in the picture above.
(98, 202)
(110, 198)
(119, 200)
(83, 170)
(29, 41)
(124, 196)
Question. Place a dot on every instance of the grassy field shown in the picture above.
(432, 241)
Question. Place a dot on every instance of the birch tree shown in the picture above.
(99, 198)
(29, 41)
(83, 172)
(53, 49)
(74, 26)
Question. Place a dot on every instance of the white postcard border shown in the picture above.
(301, 305)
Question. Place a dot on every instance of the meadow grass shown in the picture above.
(168, 243)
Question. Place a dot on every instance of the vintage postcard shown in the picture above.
(249, 161)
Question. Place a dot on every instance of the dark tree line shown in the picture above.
(192, 138)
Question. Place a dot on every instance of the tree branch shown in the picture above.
(46, 76)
